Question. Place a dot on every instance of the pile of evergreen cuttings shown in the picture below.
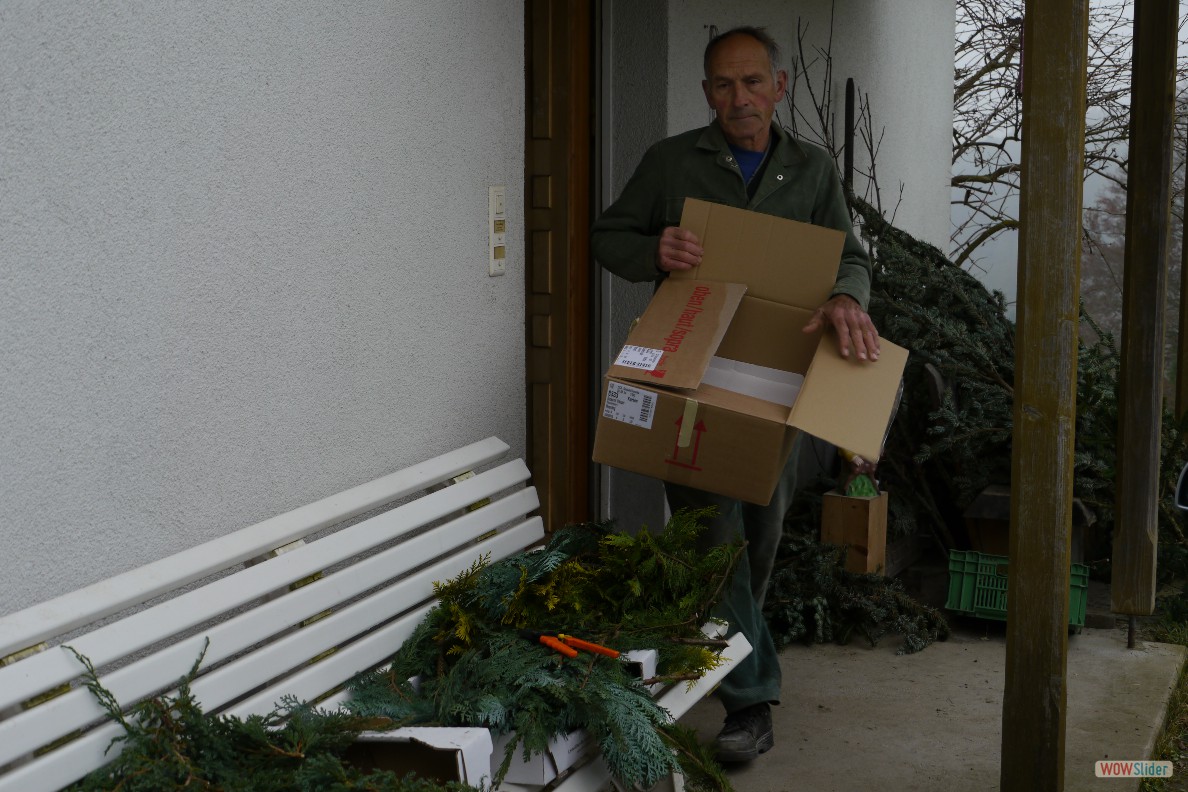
(472, 666)
(950, 440)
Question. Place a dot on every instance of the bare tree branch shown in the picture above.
(988, 51)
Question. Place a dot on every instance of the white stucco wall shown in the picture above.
(243, 264)
(900, 53)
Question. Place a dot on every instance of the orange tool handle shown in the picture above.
(589, 647)
(556, 645)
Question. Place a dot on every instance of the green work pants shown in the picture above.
(757, 677)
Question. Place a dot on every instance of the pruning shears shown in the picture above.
(567, 645)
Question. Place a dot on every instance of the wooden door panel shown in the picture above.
(558, 185)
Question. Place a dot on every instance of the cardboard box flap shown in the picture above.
(849, 403)
(778, 259)
(757, 322)
(679, 332)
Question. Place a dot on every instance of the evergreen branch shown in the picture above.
(717, 595)
(171, 744)
(102, 695)
(702, 773)
(586, 581)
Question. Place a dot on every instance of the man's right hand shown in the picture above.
(679, 250)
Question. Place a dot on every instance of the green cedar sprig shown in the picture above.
(701, 770)
(170, 743)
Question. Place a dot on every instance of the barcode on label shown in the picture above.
(645, 410)
(630, 405)
(637, 357)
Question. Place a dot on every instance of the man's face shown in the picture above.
(740, 87)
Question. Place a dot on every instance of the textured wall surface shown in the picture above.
(243, 264)
(900, 54)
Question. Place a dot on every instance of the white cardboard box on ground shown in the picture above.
(442, 752)
(564, 751)
(475, 754)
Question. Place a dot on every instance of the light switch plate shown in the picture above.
(496, 230)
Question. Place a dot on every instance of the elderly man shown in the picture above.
(742, 160)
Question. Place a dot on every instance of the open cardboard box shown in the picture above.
(717, 376)
(563, 752)
(434, 752)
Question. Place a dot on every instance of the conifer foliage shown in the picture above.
(814, 599)
(170, 743)
(952, 435)
(472, 666)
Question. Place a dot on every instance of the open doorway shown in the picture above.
(631, 115)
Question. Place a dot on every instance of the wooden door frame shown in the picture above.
(559, 36)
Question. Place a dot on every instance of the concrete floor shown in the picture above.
(857, 718)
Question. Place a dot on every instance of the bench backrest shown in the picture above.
(300, 622)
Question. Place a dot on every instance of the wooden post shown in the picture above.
(1182, 339)
(1144, 295)
(1033, 710)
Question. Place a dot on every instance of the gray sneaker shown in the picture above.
(745, 734)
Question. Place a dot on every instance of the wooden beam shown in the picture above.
(1033, 710)
(1182, 338)
(558, 276)
(1144, 295)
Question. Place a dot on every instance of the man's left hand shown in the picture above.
(854, 328)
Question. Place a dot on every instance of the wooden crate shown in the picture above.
(859, 523)
(988, 523)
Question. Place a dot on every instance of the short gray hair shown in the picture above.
(759, 34)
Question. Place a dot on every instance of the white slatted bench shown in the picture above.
(345, 596)
(237, 608)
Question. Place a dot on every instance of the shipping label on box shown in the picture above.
(717, 376)
(629, 404)
(715, 439)
(675, 338)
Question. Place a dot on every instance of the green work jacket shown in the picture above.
(800, 182)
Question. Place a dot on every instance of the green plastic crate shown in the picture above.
(978, 587)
